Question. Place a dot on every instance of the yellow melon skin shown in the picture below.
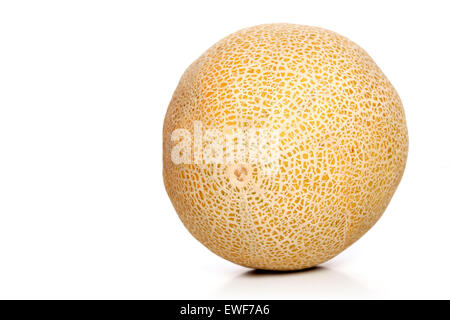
(343, 146)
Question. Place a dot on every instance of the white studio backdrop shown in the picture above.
(84, 86)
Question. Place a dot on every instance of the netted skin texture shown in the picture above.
(343, 146)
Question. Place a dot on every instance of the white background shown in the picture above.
(84, 86)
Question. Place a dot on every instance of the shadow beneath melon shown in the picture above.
(262, 272)
(313, 283)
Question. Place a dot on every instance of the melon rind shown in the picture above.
(343, 146)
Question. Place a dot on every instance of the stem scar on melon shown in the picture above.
(239, 174)
(341, 149)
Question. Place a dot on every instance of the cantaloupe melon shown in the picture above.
(342, 146)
